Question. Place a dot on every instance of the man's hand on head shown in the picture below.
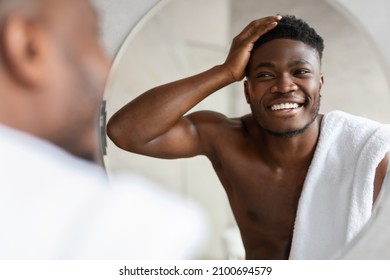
(242, 45)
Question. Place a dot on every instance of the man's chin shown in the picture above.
(286, 133)
(89, 150)
(92, 157)
(291, 132)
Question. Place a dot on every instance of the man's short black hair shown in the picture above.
(290, 27)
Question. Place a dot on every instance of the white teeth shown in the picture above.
(284, 106)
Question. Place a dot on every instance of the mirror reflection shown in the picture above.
(174, 43)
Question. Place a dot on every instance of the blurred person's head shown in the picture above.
(52, 71)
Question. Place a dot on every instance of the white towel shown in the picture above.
(337, 195)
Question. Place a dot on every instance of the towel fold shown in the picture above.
(337, 195)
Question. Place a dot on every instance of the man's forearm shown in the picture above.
(157, 110)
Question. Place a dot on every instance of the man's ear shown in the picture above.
(246, 90)
(321, 81)
(21, 49)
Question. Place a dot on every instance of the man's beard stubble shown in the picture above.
(293, 133)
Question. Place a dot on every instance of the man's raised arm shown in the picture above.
(154, 124)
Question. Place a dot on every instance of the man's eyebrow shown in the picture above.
(266, 65)
(298, 62)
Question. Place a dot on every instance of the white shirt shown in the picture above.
(56, 206)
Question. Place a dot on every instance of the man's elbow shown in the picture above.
(116, 133)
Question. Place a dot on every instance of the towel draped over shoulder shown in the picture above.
(337, 195)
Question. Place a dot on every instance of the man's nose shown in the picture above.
(284, 84)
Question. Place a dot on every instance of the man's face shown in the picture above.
(78, 69)
(283, 86)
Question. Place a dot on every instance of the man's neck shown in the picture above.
(285, 152)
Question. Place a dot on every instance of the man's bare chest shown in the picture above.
(262, 199)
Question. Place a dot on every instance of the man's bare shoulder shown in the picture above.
(205, 120)
(216, 131)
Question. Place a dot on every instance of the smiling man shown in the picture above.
(280, 164)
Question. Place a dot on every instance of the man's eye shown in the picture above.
(264, 75)
(302, 72)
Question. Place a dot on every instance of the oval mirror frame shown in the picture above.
(205, 51)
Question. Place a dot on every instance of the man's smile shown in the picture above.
(284, 106)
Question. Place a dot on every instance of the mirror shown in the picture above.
(179, 38)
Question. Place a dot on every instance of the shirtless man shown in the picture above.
(262, 158)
